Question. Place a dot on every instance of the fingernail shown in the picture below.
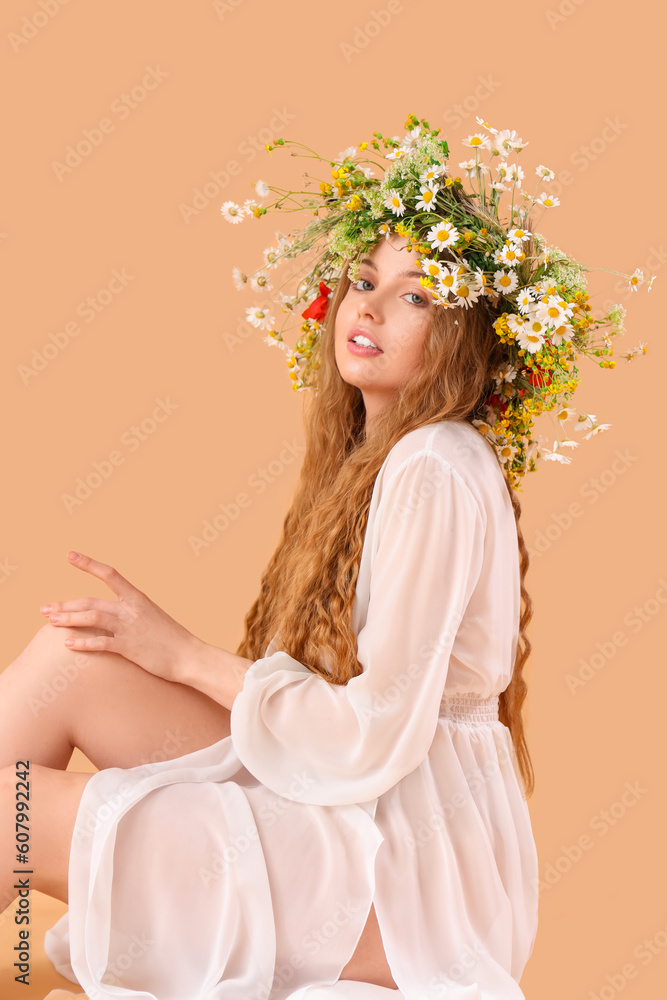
(45, 609)
(73, 555)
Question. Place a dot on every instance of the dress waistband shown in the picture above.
(469, 707)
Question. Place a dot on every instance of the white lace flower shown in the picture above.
(232, 212)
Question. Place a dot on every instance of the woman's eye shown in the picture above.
(421, 301)
(361, 281)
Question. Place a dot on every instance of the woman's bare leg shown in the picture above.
(54, 801)
(53, 699)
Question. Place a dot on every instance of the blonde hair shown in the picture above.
(308, 587)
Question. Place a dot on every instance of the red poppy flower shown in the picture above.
(318, 307)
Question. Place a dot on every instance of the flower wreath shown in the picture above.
(465, 252)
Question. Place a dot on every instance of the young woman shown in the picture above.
(340, 808)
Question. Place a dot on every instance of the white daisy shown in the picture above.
(466, 292)
(249, 206)
(469, 167)
(525, 300)
(507, 140)
(515, 174)
(442, 235)
(427, 198)
(259, 318)
(584, 420)
(597, 430)
(548, 200)
(505, 281)
(262, 189)
(432, 268)
(385, 230)
(509, 254)
(271, 256)
(518, 235)
(345, 154)
(569, 444)
(531, 336)
(506, 453)
(396, 154)
(394, 202)
(232, 212)
(432, 173)
(544, 172)
(515, 323)
(240, 279)
(498, 186)
(489, 128)
(555, 456)
(552, 311)
(366, 171)
(636, 280)
(477, 141)
(561, 333)
(261, 282)
(503, 171)
(448, 280)
(506, 374)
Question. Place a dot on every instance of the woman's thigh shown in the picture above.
(118, 714)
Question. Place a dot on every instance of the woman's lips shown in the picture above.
(360, 349)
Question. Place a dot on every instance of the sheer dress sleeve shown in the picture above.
(331, 744)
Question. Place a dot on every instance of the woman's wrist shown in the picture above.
(213, 671)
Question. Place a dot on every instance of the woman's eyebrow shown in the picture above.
(416, 273)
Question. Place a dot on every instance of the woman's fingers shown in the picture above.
(113, 579)
(82, 604)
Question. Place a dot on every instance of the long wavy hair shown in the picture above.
(308, 587)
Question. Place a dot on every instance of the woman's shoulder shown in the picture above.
(456, 443)
(458, 446)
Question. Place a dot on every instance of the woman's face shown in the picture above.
(388, 306)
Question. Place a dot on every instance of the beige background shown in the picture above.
(232, 75)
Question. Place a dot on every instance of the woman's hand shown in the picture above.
(64, 995)
(135, 627)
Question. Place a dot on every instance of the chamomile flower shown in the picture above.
(466, 292)
(506, 453)
(432, 173)
(555, 456)
(469, 167)
(515, 174)
(505, 281)
(489, 128)
(232, 212)
(250, 206)
(597, 430)
(561, 333)
(636, 280)
(518, 235)
(385, 230)
(240, 279)
(346, 154)
(442, 235)
(498, 186)
(506, 141)
(510, 254)
(552, 311)
(448, 280)
(432, 268)
(261, 282)
(516, 323)
(585, 420)
(548, 200)
(426, 199)
(477, 141)
(564, 413)
(503, 171)
(544, 172)
(396, 154)
(525, 300)
(262, 189)
(394, 202)
(259, 318)
(531, 336)
(505, 374)
(272, 256)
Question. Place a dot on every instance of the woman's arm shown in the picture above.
(213, 671)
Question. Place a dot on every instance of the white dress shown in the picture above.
(247, 870)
